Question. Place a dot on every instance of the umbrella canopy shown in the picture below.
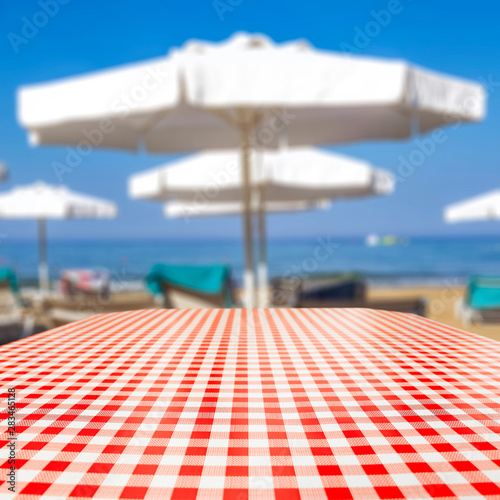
(290, 175)
(41, 201)
(242, 92)
(177, 209)
(330, 98)
(288, 180)
(478, 208)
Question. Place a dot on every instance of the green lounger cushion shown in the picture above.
(484, 292)
(9, 276)
(210, 280)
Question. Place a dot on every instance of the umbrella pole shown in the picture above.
(248, 276)
(262, 270)
(43, 270)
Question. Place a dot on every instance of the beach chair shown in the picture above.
(85, 282)
(294, 292)
(83, 293)
(13, 322)
(346, 291)
(60, 310)
(481, 302)
(192, 287)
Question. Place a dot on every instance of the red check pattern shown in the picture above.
(266, 404)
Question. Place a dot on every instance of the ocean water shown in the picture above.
(422, 260)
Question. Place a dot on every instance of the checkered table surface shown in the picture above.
(264, 404)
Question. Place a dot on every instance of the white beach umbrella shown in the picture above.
(41, 201)
(243, 92)
(483, 207)
(286, 175)
(207, 184)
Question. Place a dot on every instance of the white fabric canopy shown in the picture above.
(290, 175)
(241, 92)
(41, 201)
(177, 209)
(478, 208)
(324, 97)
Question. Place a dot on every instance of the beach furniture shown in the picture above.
(286, 180)
(247, 92)
(186, 286)
(13, 321)
(292, 292)
(41, 201)
(85, 281)
(236, 404)
(61, 310)
(481, 302)
(337, 292)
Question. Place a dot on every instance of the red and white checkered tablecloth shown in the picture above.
(274, 404)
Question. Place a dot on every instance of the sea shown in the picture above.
(409, 262)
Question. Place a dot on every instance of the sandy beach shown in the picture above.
(440, 307)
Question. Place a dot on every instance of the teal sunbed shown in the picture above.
(482, 299)
(8, 276)
(210, 285)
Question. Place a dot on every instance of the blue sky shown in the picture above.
(88, 35)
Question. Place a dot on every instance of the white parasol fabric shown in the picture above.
(244, 92)
(329, 98)
(289, 175)
(41, 201)
(479, 208)
(178, 209)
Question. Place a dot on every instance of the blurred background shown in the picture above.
(395, 251)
